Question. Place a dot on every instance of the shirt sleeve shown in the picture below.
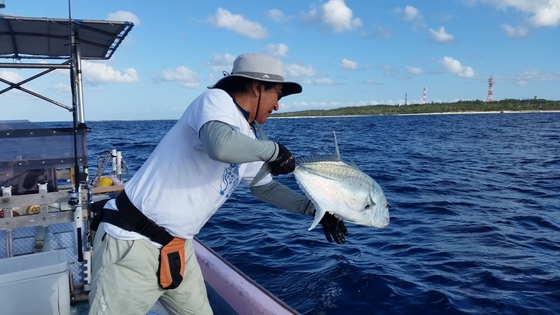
(225, 144)
(281, 196)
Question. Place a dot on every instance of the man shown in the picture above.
(143, 251)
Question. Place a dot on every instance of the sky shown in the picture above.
(343, 53)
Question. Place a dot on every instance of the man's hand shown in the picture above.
(285, 163)
(333, 228)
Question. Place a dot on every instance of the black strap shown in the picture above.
(129, 216)
(115, 218)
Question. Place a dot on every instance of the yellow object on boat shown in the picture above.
(104, 182)
(35, 209)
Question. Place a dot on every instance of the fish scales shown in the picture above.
(337, 186)
(334, 182)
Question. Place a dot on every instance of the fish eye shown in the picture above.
(367, 206)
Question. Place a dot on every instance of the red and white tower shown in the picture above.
(424, 96)
(490, 97)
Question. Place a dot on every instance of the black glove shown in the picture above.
(285, 162)
(333, 228)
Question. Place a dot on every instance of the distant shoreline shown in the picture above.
(422, 114)
(460, 107)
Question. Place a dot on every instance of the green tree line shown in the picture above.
(457, 107)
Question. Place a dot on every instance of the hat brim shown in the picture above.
(288, 86)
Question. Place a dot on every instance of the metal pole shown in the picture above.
(78, 120)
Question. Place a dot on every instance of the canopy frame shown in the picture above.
(70, 40)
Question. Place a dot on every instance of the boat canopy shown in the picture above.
(46, 38)
(52, 44)
(66, 40)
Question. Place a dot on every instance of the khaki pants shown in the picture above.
(124, 279)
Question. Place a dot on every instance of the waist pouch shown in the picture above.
(172, 254)
(171, 264)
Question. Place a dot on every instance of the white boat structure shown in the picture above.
(45, 238)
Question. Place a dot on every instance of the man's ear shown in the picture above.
(256, 88)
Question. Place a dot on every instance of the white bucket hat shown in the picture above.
(262, 68)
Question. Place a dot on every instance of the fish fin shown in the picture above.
(336, 155)
(321, 158)
(318, 216)
(353, 164)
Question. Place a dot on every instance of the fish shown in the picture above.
(336, 187)
(341, 189)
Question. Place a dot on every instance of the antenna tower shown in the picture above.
(424, 96)
(490, 97)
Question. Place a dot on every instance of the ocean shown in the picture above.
(475, 215)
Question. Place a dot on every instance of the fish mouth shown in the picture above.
(385, 222)
(382, 223)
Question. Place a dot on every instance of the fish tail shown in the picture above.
(318, 216)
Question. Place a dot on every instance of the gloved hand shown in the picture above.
(333, 228)
(285, 162)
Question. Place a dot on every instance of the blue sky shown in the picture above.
(344, 53)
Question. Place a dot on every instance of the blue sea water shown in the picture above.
(475, 215)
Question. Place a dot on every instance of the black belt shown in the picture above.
(131, 219)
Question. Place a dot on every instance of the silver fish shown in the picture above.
(341, 189)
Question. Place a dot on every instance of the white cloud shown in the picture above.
(335, 15)
(348, 64)
(100, 73)
(542, 12)
(62, 88)
(298, 71)
(412, 15)
(185, 76)
(323, 81)
(454, 66)
(409, 13)
(414, 70)
(278, 50)
(529, 76)
(237, 23)
(277, 16)
(220, 63)
(545, 14)
(123, 16)
(11, 76)
(512, 31)
(440, 35)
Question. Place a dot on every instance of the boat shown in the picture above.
(45, 233)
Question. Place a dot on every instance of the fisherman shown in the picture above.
(143, 249)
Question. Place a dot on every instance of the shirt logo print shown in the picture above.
(229, 180)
